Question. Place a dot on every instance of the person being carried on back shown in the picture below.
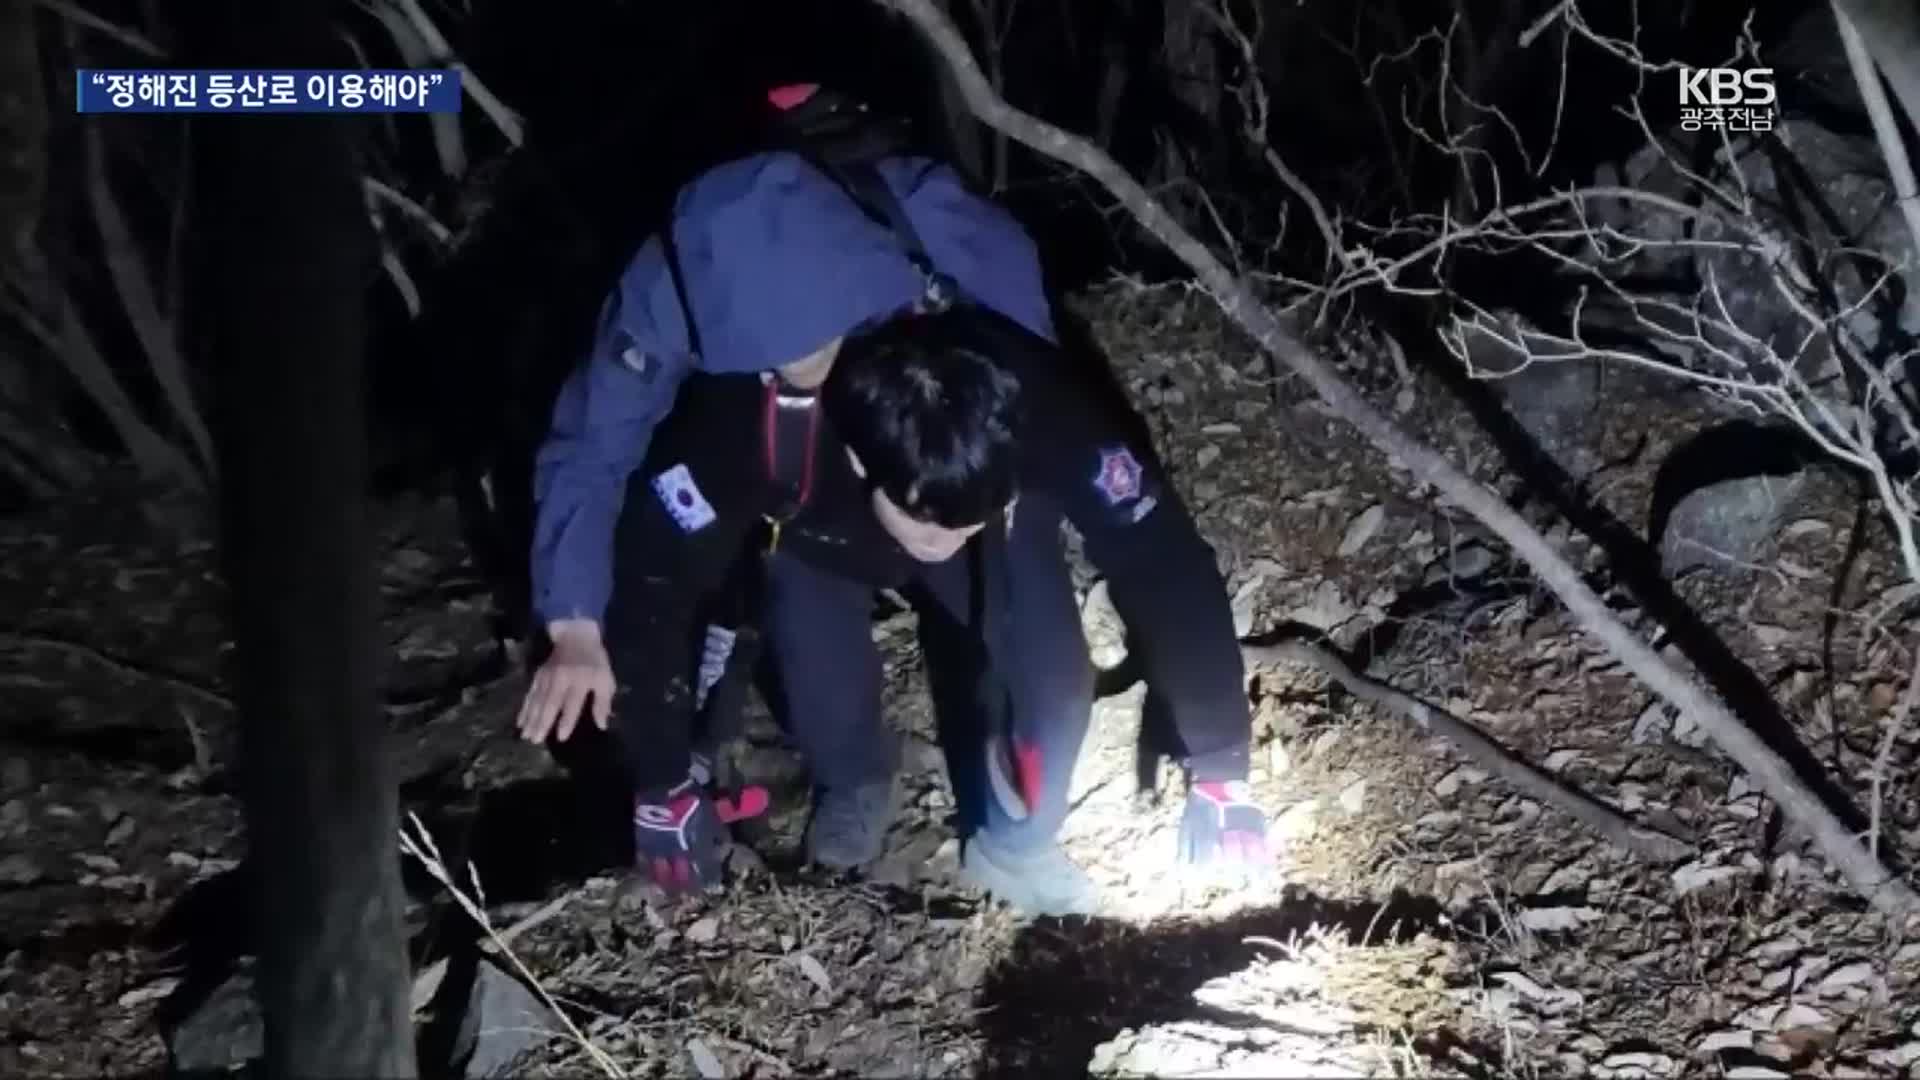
(775, 263)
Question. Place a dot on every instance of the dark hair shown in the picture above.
(931, 413)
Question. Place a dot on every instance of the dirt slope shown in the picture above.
(1421, 918)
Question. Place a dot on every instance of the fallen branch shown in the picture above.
(419, 214)
(1476, 745)
(1770, 772)
(125, 667)
(75, 349)
(1479, 747)
(448, 143)
(151, 326)
(79, 16)
(503, 117)
(1895, 727)
(40, 452)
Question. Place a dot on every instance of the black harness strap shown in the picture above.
(789, 440)
(863, 183)
(671, 251)
(843, 139)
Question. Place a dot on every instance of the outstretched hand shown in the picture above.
(578, 673)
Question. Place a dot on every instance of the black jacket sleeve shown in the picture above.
(687, 519)
(1161, 575)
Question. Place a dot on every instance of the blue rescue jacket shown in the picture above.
(775, 261)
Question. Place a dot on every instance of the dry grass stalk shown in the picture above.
(427, 854)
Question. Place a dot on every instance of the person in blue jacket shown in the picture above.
(769, 265)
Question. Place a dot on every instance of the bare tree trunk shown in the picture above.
(1192, 64)
(1891, 31)
(1116, 69)
(283, 310)
(1193, 81)
(965, 136)
(993, 21)
(1886, 130)
(23, 135)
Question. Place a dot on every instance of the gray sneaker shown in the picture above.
(849, 826)
(1039, 882)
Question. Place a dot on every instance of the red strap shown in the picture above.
(792, 95)
(770, 440)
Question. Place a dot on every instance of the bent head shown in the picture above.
(928, 541)
(929, 420)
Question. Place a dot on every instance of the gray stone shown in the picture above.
(16, 776)
(223, 1034)
(1553, 398)
(1465, 562)
(20, 871)
(1721, 495)
(503, 1020)
(1728, 523)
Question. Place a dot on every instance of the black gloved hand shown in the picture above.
(1222, 824)
(679, 833)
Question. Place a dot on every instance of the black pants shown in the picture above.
(820, 636)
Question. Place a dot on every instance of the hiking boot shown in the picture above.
(849, 826)
(1038, 882)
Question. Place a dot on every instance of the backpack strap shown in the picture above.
(845, 141)
(862, 181)
(671, 251)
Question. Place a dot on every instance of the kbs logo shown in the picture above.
(1726, 86)
(1727, 99)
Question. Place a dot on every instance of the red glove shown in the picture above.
(679, 833)
(1223, 824)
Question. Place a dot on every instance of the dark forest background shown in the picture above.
(500, 237)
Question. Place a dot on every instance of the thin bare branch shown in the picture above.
(1540, 25)
(413, 210)
(504, 118)
(448, 142)
(1895, 727)
(1768, 769)
(81, 17)
(128, 270)
(75, 348)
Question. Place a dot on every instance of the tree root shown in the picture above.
(1479, 747)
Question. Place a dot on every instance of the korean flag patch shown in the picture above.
(681, 496)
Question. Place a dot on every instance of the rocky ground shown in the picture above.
(1422, 918)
